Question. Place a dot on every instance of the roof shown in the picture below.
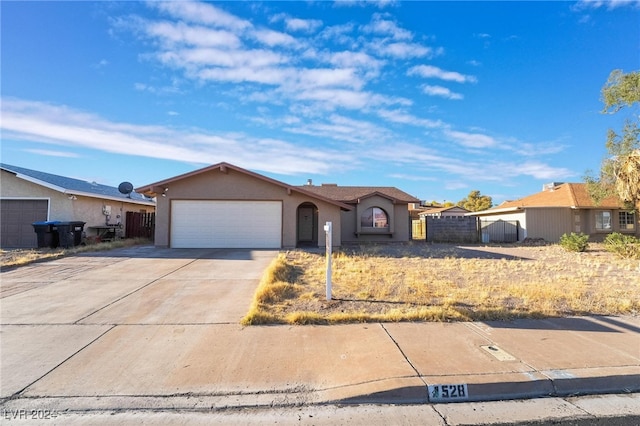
(351, 194)
(434, 210)
(157, 187)
(72, 186)
(570, 195)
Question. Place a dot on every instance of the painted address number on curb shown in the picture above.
(438, 393)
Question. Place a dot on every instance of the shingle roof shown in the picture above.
(73, 186)
(154, 188)
(351, 194)
(573, 195)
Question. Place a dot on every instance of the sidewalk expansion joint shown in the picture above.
(404, 355)
(18, 394)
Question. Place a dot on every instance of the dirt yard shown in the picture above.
(440, 282)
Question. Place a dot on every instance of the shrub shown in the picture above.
(625, 246)
(574, 242)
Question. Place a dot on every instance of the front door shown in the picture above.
(307, 224)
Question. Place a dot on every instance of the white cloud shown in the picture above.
(385, 27)
(608, 4)
(306, 25)
(60, 125)
(274, 38)
(399, 116)
(441, 91)
(403, 50)
(471, 140)
(50, 153)
(429, 71)
(537, 170)
(203, 13)
(171, 34)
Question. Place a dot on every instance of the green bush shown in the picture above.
(625, 246)
(574, 242)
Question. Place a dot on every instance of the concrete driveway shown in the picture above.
(53, 310)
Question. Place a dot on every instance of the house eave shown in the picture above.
(79, 193)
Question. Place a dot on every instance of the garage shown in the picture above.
(17, 217)
(226, 224)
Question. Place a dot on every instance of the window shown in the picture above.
(603, 221)
(374, 217)
(627, 221)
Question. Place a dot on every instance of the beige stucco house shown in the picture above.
(28, 196)
(564, 208)
(226, 206)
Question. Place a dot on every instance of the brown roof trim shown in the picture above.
(153, 189)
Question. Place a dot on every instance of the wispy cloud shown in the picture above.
(471, 140)
(51, 153)
(441, 91)
(60, 125)
(607, 4)
(429, 71)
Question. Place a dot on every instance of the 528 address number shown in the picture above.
(448, 392)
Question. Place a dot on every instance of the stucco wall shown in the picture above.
(397, 215)
(62, 208)
(234, 185)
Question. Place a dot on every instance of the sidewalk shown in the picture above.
(154, 333)
(224, 365)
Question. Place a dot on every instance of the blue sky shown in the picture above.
(435, 98)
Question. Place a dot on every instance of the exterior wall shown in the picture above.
(549, 223)
(234, 185)
(84, 209)
(397, 215)
(588, 220)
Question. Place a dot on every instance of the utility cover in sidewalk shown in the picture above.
(498, 353)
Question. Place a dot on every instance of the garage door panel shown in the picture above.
(17, 216)
(226, 224)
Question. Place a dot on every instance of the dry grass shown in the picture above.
(20, 257)
(419, 282)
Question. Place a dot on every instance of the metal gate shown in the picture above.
(499, 231)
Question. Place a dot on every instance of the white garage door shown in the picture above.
(226, 224)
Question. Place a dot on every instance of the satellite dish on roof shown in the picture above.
(126, 188)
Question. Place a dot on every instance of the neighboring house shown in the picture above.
(28, 196)
(452, 211)
(225, 206)
(563, 208)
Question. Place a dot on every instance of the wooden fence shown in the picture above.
(140, 225)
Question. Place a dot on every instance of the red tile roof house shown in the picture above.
(564, 208)
(225, 206)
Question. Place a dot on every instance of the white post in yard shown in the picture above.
(328, 230)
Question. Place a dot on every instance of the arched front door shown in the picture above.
(307, 218)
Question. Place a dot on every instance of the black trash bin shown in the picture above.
(69, 233)
(47, 235)
(77, 228)
(65, 236)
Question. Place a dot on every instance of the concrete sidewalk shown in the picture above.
(158, 330)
